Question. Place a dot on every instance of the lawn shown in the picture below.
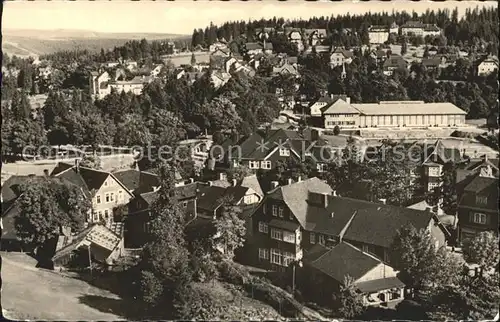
(34, 294)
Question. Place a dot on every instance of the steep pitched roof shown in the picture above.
(378, 226)
(253, 183)
(482, 184)
(137, 180)
(342, 260)
(295, 195)
(395, 61)
(11, 188)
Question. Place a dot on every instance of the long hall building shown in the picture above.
(392, 114)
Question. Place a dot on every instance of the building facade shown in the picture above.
(393, 114)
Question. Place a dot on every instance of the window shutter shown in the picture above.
(471, 217)
(488, 219)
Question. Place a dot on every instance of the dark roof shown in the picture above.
(332, 219)
(379, 284)
(315, 252)
(442, 155)
(342, 260)
(395, 61)
(137, 180)
(432, 62)
(149, 197)
(378, 226)
(482, 184)
(11, 188)
(188, 191)
(209, 198)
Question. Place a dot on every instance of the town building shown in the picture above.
(314, 37)
(325, 270)
(322, 104)
(378, 34)
(487, 66)
(156, 70)
(392, 114)
(293, 218)
(477, 206)
(417, 28)
(340, 57)
(101, 84)
(394, 62)
(254, 48)
(97, 243)
(105, 191)
(217, 45)
(265, 149)
(295, 37)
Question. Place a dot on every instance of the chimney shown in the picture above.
(46, 172)
(331, 96)
(383, 200)
(348, 100)
(191, 180)
(77, 165)
(222, 176)
(299, 179)
(334, 193)
(332, 214)
(290, 181)
(274, 184)
(235, 182)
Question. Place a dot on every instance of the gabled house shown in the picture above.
(293, 218)
(295, 37)
(434, 158)
(254, 48)
(223, 52)
(286, 69)
(340, 57)
(314, 37)
(156, 70)
(217, 45)
(487, 65)
(431, 63)
(263, 150)
(103, 188)
(326, 269)
(484, 166)
(394, 62)
(477, 206)
(219, 78)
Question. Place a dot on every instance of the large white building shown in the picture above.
(378, 34)
(417, 28)
(392, 114)
(487, 66)
(101, 84)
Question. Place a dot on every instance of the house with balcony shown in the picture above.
(326, 268)
(293, 218)
(477, 206)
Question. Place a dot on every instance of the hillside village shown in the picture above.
(323, 168)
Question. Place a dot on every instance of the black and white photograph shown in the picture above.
(250, 160)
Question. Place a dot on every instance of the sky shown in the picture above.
(182, 16)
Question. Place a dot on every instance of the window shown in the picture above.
(289, 237)
(280, 212)
(263, 228)
(320, 167)
(481, 200)
(265, 165)
(276, 234)
(312, 238)
(276, 257)
(264, 209)
(98, 199)
(185, 204)
(284, 152)
(275, 211)
(321, 240)
(106, 183)
(95, 216)
(479, 218)
(263, 253)
(120, 196)
(253, 164)
(107, 197)
(288, 258)
(106, 214)
(112, 196)
(251, 199)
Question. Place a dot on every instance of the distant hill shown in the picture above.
(39, 42)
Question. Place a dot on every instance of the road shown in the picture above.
(29, 293)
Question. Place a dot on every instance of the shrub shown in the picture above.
(336, 130)
(233, 273)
